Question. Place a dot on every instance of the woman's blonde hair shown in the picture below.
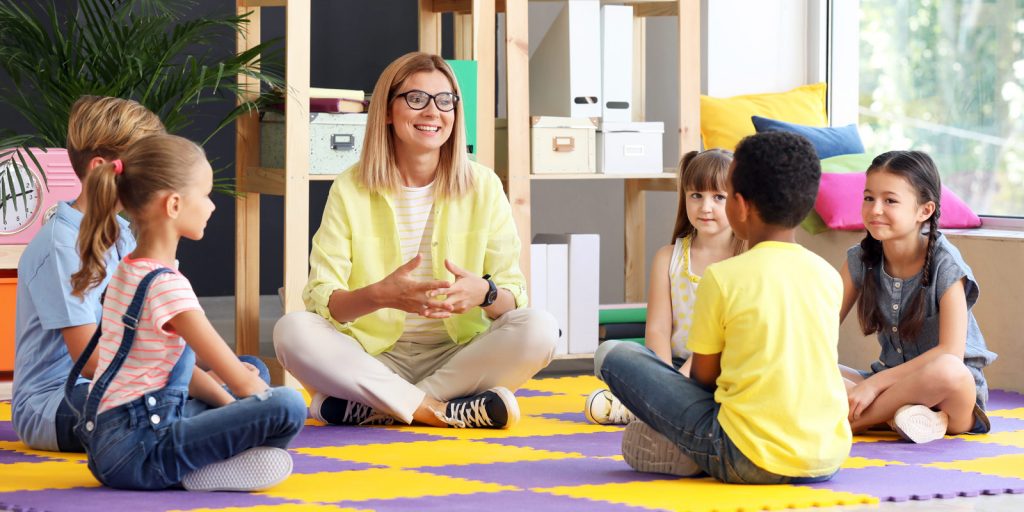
(101, 126)
(153, 164)
(701, 171)
(378, 169)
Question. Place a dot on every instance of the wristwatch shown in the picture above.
(492, 292)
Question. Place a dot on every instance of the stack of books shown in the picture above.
(333, 101)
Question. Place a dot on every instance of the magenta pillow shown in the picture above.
(841, 194)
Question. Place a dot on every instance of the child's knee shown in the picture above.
(291, 404)
(609, 351)
(949, 372)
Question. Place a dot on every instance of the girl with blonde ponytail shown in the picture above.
(150, 421)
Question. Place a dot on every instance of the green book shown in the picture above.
(622, 316)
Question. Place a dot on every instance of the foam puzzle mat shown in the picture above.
(553, 460)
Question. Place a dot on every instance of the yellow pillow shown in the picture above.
(725, 121)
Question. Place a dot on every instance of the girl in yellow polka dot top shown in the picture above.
(701, 236)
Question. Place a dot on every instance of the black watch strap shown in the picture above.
(492, 292)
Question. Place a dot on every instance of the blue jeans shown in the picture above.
(154, 441)
(67, 440)
(681, 410)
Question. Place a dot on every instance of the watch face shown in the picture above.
(19, 198)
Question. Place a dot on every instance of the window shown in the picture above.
(947, 77)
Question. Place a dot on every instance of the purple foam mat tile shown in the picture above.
(7, 431)
(901, 483)
(532, 392)
(308, 464)
(13, 457)
(597, 444)
(1005, 424)
(103, 499)
(1001, 399)
(942, 450)
(504, 500)
(331, 435)
(549, 473)
(575, 417)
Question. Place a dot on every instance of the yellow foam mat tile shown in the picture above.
(444, 452)
(1007, 438)
(528, 426)
(580, 385)
(1017, 414)
(286, 507)
(533, 405)
(18, 446)
(862, 462)
(688, 495)
(376, 484)
(5, 411)
(875, 436)
(36, 476)
(1011, 466)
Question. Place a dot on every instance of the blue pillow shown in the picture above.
(829, 142)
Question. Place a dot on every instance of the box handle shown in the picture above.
(343, 142)
(633, 150)
(563, 144)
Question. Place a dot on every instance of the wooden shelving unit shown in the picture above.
(474, 39)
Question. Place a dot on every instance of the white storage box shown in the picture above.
(563, 145)
(335, 141)
(630, 148)
(565, 69)
(616, 63)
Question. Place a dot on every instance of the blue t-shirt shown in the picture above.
(45, 306)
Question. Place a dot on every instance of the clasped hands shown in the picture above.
(433, 299)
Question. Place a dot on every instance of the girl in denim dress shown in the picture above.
(150, 421)
(915, 291)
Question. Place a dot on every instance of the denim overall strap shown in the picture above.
(131, 321)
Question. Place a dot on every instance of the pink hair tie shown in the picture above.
(118, 166)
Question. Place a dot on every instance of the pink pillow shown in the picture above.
(841, 194)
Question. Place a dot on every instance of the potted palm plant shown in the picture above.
(152, 51)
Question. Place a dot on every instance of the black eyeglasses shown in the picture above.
(418, 100)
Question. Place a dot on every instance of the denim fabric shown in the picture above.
(681, 410)
(894, 298)
(154, 441)
(264, 372)
(64, 422)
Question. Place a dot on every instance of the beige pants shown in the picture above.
(515, 347)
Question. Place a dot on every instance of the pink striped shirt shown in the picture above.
(156, 348)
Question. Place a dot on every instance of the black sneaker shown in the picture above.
(338, 411)
(494, 408)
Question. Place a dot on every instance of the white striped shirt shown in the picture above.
(155, 349)
(414, 210)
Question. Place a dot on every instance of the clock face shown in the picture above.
(19, 198)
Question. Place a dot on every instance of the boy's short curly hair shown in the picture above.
(778, 172)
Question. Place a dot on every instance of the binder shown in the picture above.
(581, 284)
(617, 63)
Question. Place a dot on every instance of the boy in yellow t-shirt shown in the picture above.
(765, 403)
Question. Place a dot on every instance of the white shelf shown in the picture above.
(599, 176)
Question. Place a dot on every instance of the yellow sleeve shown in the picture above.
(707, 334)
(330, 257)
(501, 259)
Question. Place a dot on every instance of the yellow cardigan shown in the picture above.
(357, 245)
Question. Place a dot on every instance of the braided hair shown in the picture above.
(920, 171)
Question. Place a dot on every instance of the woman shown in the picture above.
(416, 303)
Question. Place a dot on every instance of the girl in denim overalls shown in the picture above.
(916, 292)
(139, 426)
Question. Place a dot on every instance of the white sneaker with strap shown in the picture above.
(603, 408)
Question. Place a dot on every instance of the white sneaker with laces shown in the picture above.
(254, 469)
(603, 408)
(647, 451)
(920, 424)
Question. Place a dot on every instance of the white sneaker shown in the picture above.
(919, 424)
(646, 450)
(604, 408)
(252, 470)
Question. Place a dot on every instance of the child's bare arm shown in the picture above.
(210, 348)
(205, 388)
(850, 292)
(658, 331)
(706, 369)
